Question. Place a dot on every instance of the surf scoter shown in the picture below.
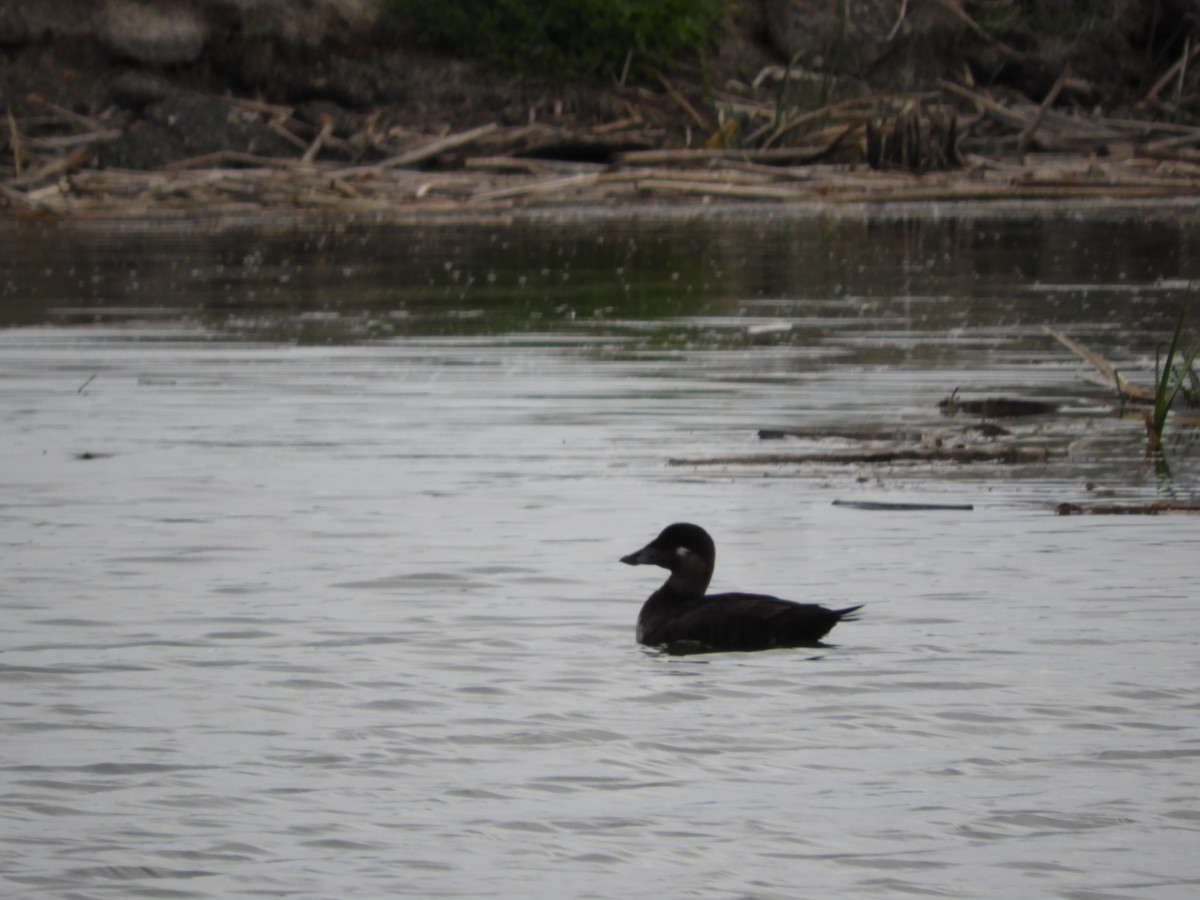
(682, 618)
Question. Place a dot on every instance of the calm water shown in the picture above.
(310, 580)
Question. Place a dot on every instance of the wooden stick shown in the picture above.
(1143, 127)
(777, 156)
(540, 187)
(956, 10)
(746, 192)
(625, 68)
(1032, 127)
(1187, 52)
(1176, 68)
(66, 163)
(1182, 140)
(829, 111)
(618, 125)
(1102, 365)
(293, 139)
(510, 165)
(65, 141)
(222, 157)
(701, 121)
(71, 116)
(725, 175)
(23, 200)
(899, 21)
(14, 138)
(1002, 113)
(426, 151)
(273, 109)
(315, 147)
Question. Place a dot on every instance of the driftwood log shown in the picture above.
(1005, 455)
(996, 407)
(1152, 508)
(887, 506)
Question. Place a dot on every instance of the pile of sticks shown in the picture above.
(956, 144)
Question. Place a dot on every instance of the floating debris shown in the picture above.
(904, 507)
(1125, 509)
(996, 407)
(1005, 455)
(849, 432)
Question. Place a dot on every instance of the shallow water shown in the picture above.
(311, 589)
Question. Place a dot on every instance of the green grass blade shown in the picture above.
(1168, 387)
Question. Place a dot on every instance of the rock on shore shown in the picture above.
(176, 32)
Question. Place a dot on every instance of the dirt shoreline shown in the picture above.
(90, 139)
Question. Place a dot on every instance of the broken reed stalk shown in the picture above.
(1176, 70)
(1125, 390)
(315, 147)
(701, 120)
(14, 139)
(1028, 132)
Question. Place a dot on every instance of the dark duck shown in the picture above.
(682, 618)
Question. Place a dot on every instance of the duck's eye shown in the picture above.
(683, 552)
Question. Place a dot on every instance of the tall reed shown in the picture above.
(1167, 383)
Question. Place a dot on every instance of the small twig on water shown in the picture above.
(86, 383)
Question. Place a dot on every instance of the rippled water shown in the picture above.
(342, 616)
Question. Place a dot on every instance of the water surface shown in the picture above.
(311, 589)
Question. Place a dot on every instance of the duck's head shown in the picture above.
(685, 550)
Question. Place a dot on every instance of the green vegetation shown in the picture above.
(591, 40)
(1067, 19)
(1169, 380)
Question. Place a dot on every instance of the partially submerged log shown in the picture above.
(886, 506)
(1003, 455)
(1153, 508)
(996, 407)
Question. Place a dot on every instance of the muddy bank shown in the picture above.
(340, 111)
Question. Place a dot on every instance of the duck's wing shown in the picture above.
(749, 622)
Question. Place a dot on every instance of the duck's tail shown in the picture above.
(848, 614)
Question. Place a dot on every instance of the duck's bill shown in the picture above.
(647, 556)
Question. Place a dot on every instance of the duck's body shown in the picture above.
(683, 618)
